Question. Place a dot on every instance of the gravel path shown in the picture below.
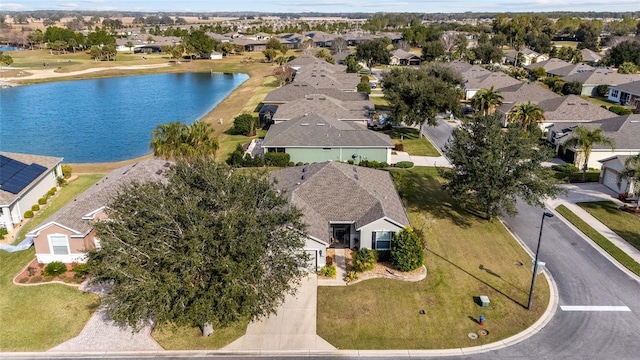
(51, 73)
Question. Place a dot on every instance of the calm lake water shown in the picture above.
(103, 120)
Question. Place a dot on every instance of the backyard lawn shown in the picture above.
(466, 257)
(412, 142)
(626, 225)
(36, 318)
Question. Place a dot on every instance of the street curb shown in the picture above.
(593, 244)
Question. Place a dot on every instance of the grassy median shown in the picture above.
(466, 257)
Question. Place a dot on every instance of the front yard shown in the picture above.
(625, 224)
(36, 318)
(412, 142)
(466, 257)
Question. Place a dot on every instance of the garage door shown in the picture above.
(610, 180)
(313, 260)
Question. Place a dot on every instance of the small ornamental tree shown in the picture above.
(406, 250)
(244, 124)
(364, 260)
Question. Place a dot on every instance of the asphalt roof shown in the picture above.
(337, 192)
(326, 105)
(7, 198)
(632, 87)
(602, 77)
(623, 130)
(316, 130)
(101, 194)
(572, 108)
(297, 90)
(498, 80)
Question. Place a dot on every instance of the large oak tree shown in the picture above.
(207, 247)
(493, 167)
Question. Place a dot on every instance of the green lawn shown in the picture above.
(598, 101)
(412, 142)
(466, 257)
(36, 318)
(186, 338)
(599, 239)
(380, 102)
(625, 224)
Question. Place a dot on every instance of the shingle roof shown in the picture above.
(602, 77)
(523, 92)
(322, 80)
(632, 87)
(572, 108)
(497, 80)
(103, 191)
(7, 198)
(571, 69)
(315, 130)
(549, 65)
(325, 105)
(404, 55)
(624, 130)
(294, 91)
(590, 55)
(333, 191)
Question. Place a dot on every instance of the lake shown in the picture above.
(104, 120)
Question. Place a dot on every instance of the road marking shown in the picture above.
(593, 308)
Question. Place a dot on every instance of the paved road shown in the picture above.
(439, 134)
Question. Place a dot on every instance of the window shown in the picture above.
(381, 240)
(614, 93)
(59, 244)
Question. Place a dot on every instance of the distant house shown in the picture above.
(312, 138)
(626, 94)
(590, 80)
(215, 56)
(590, 57)
(68, 234)
(297, 90)
(528, 57)
(344, 206)
(520, 93)
(609, 172)
(572, 109)
(557, 67)
(145, 49)
(497, 80)
(360, 111)
(401, 57)
(24, 179)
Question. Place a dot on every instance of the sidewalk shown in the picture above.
(593, 192)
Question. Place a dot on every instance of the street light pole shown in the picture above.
(535, 263)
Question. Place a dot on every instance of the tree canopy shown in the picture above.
(583, 140)
(207, 247)
(492, 167)
(200, 43)
(419, 95)
(486, 100)
(528, 116)
(176, 140)
(374, 52)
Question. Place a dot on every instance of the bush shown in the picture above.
(61, 181)
(23, 280)
(373, 164)
(55, 268)
(328, 271)
(35, 279)
(404, 164)
(80, 270)
(620, 110)
(364, 260)
(3, 232)
(350, 162)
(566, 168)
(31, 270)
(42, 201)
(364, 88)
(406, 250)
(35, 207)
(277, 159)
(291, 164)
(66, 171)
(299, 163)
(602, 90)
(538, 73)
(351, 277)
(52, 191)
(244, 124)
(399, 147)
(572, 88)
(28, 214)
(383, 255)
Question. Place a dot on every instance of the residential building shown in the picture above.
(590, 80)
(528, 57)
(360, 111)
(609, 172)
(626, 94)
(405, 58)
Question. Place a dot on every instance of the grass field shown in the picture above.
(185, 338)
(466, 257)
(412, 142)
(625, 224)
(598, 101)
(36, 318)
(602, 241)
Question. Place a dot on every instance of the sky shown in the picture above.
(369, 6)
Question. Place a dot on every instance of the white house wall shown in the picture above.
(597, 155)
(320, 250)
(378, 225)
(35, 191)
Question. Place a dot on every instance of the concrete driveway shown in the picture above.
(292, 328)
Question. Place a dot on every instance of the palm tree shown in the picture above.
(176, 140)
(631, 174)
(527, 115)
(486, 100)
(583, 140)
(200, 140)
(167, 139)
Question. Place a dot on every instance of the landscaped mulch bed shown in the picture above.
(32, 274)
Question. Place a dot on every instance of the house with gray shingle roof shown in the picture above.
(24, 178)
(68, 234)
(314, 137)
(590, 57)
(401, 57)
(611, 168)
(298, 90)
(626, 94)
(520, 93)
(360, 111)
(343, 205)
(572, 109)
(497, 80)
(590, 80)
(623, 130)
(529, 57)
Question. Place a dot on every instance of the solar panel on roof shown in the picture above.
(16, 175)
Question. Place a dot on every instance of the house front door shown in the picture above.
(341, 235)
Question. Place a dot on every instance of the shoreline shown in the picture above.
(229, 107)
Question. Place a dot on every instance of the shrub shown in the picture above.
(66, 171)
(35, 279)
(55, 268)
(538, 73)
(47, 278)
(277, 159)
(31, 270)
(28, 214)
(620, 110)
(23, 280)
(351, 277)
(299, 163)
(328, 271)
(61, 181)
(364, 260)
(399, 147)
(42, 201)
(292, 164)
(383, 255)
(244, 124)
(406, 250)
(373, 164)
(572, 88)
(602, 90)
(52, 191)
(404, 164)
(80, 270)
(566, 168)
(364, 88)
(35, 207)
(350, 162)
(3, 232)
